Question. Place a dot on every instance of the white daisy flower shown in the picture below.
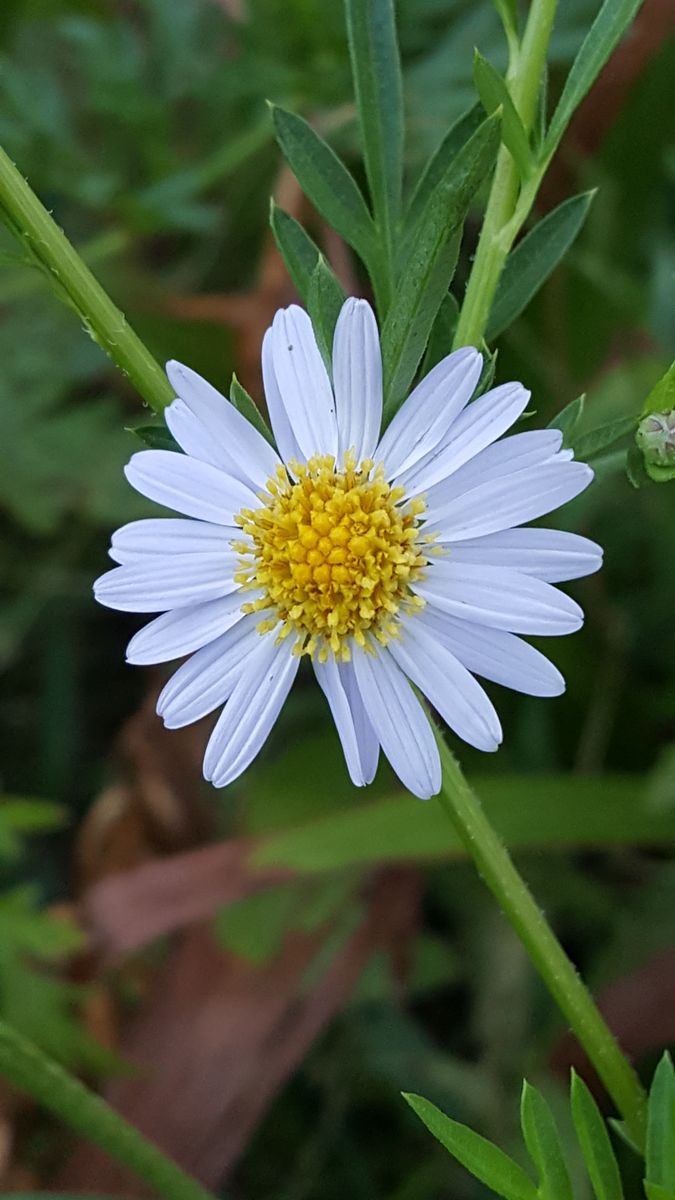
(389, 561)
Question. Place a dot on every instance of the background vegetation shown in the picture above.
(259, 1016)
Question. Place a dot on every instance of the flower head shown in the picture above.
(388, 561)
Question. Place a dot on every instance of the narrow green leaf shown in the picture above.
(596, 1146)
(157, 437)
(481, 1158)
(442, 333)
(543, 1144)
(376, 71)
(508, 14)
(591, 445)
(654, 1191)
(324, 301)
(494, 94)
(530, 263)
(608, 28)
(660, 1158)
(436, 170)
(427, 275)
(296, 247)
(568, 419)
(326, 180)
(249, 409)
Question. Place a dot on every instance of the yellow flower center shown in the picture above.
(334, 553)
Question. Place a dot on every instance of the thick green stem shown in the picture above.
(34, 226)
(526, 68)
(562, 980)
(27, 1068)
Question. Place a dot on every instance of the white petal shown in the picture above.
(157, 584)
(399, 721)
(189, 486)
(251, 711)
(550, 554)
(475, 428)
(424, 419)
(183, 630)
(209, 427)
(207, 679)
(357, 379)
(303, 382)
(454, 693)
(495, 654)
(352, 724)
(510, 500)
(369, 746)
(281, 426)
(170, 535)
(500, 598)
(505, 457)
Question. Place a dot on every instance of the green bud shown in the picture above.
(656, 438)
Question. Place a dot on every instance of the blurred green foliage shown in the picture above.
(143, 127)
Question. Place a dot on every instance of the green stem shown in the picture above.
(565, 985)
(526, 66)
(27, 1068)
(33, 225)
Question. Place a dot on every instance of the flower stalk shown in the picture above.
(50, 249)
(561, 978)
(29, 1070)
(508, 204)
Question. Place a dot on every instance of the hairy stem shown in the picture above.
(562, 980)
(27, 1068)
(527, 64)
(32, 225)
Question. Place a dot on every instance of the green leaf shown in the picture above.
(530, 263)
(508, 14)
(427, 275)
(442, 333)
(326, 180)
(654, 1191)
(540, 810)
(494, 94)
(608, 28)
(481, 1158)
(156, 436)
(245, 405)
(324, 301)
(568, 420)
(376, 72)
(436, 170)
(596, 1146)
(635, 467)
(543, 1144)
(296, 247)
(593, 444)
(660, 1157)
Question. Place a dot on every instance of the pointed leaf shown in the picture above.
(324, 301)
(485, 1161)
(494, 94)
(376, 71)
(296, 247)
(442, 333)
(249, 409)
(326, 180)
(157, 437)
(529, 265)
(436, 169)
(593, 444)
(595, 1145)
(426, 277)
(660, 1165)
(567, 420)
(543, 1144)
(608, 28)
